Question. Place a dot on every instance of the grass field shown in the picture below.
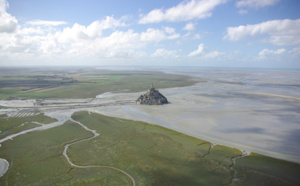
(152, 155)
(262, 170)
(13, 125)
(73, 83)
(35, 158)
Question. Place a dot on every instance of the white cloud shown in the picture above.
(79, 32)
(169, 30)
(266, 52)
(46, 23)
(157, 35)
(295, 52)
(280, 32)
(243, 11)
(42, 39)
(255, 3)
(197, 36)
(119, 42)
(189, 26)
(30, 30)
(8, 23)
(213, 54)
(286, 57)
(161, 52)
(206, 55)
(110, 22)
(199, 50)
(152, 35)
(92, 31)
(185, 11)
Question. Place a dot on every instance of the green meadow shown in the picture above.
(72, 83)
(11, 125)
(151, 154)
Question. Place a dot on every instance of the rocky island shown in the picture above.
(152, 97)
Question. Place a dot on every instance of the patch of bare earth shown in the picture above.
(53, 88)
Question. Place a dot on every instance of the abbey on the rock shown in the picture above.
(152, 97)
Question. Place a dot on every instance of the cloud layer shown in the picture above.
(185, 11)
(198, 51)
(80, 40)
(266, 52)
(255, 3)
(8, 23)
(46, 23)
(174, 40)
(278, 32)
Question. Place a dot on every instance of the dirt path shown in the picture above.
(91, 166)
(61, 121)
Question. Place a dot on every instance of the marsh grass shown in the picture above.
(52, 84)
(151, 154)
(11, 125)
(257, 169)
(36, 158)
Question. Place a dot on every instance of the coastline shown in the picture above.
(258, 99)
(231, 112)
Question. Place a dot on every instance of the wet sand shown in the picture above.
(257, 111)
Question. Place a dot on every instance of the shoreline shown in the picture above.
(234, 110)
(119, 111)
(62, 117)
(216, 141)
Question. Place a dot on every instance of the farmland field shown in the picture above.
(73, 83)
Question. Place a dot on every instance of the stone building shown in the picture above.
(152, 97)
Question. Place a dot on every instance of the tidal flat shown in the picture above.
(253, 110)
(235, 113)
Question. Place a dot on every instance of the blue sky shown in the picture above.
(207, 33)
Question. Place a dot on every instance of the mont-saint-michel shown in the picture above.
(152, 97)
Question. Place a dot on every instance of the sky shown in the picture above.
(204, 33)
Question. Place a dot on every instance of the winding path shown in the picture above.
(55, 124)
(91, 166)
